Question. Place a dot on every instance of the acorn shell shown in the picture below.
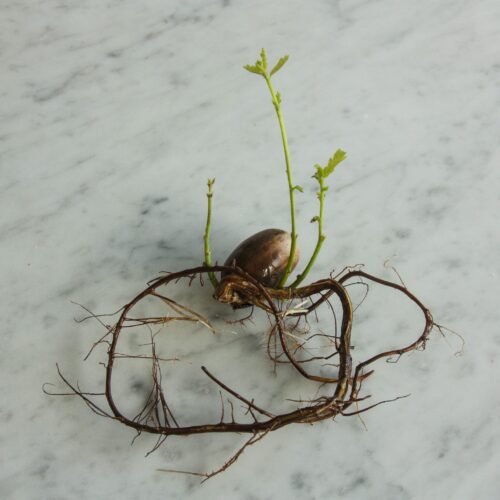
(264, 255)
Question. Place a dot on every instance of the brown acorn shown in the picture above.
(264, 256)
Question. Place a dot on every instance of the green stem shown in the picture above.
(291, 188)
(321, 236)
(206, 237)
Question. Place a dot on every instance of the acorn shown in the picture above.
(264, 256)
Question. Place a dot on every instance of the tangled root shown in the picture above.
(286, 308)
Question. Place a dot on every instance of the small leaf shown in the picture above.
(278, 97)
(319, 172)
(298, 188)
(334, 161)
(253, 69)
(279, 65)
(263, 58)
(315, 219)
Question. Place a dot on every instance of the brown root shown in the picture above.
(288, 310)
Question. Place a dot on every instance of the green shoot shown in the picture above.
(260, 68)
(321, 174)
(206, 238)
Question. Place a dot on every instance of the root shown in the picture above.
(290, 341)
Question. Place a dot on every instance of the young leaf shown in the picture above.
(253, 69)
(333, 162)
(319, 172)
(263, 58)
(279, 65)
(298, 188)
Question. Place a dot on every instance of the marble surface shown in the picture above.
(114, 114)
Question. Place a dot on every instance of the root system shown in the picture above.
(285, 307)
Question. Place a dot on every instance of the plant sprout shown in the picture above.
(322, 173)
(288, 308)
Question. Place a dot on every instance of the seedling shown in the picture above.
(255, 275)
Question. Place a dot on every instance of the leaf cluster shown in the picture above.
(260, 66)
(323, 172)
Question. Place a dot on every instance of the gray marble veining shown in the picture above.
(114, 114)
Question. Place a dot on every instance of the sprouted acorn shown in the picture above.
(264, 256)
(255, 274)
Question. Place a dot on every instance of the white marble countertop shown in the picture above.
(114, 114)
